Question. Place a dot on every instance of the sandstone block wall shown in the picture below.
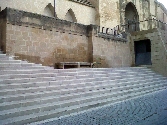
(46, 40)
(111, 53)
(44, 46)
(158, 52)
(109, 13)
(84, 14)
(109, 50)
(162, 62)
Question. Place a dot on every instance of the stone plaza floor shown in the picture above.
(150, 109)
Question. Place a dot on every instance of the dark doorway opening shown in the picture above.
(143, 52)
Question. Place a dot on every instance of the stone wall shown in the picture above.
(35, 6)
(84, 14)
(111, 53)
(158, 53)
(160, 64)
(109, 13)
(45, 40)
(145, 10)
(112, 13)
(110, 50)
(161, 12)
(46, 47)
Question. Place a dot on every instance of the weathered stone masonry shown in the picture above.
(47, 40)
(158, 45)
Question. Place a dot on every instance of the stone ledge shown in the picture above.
(83, 2)
(112, 37)
(18, 17)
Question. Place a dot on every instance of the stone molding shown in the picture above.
(28, 19)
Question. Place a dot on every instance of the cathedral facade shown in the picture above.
(108, 13)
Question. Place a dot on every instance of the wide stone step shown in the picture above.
(22, 68)
(60, 71)
(7, 57)
(25, 80)
(27, 71)
(147, 73)
(17, 64)
(32, 92)
(11, 61)
(133, 79)
(69, 71)
(11, 84)
(2, 55)
(108, 70)
(133, 71)
(16, 112)
(76, 106)
(77, 74)
(37, 75)
(70, 96)
(67, 94)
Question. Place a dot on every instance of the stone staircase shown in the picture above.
(32, 93)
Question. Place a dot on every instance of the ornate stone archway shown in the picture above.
(131, 18)
(128, 13)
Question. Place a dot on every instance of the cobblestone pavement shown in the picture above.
(150, 109)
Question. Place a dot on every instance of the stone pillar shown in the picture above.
(92, 32)
(3, 25)
(122, 15)
(54, 8)
(123, 22)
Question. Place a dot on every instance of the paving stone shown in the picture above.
(114, 115)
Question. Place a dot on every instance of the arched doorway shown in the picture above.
(131, 18)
